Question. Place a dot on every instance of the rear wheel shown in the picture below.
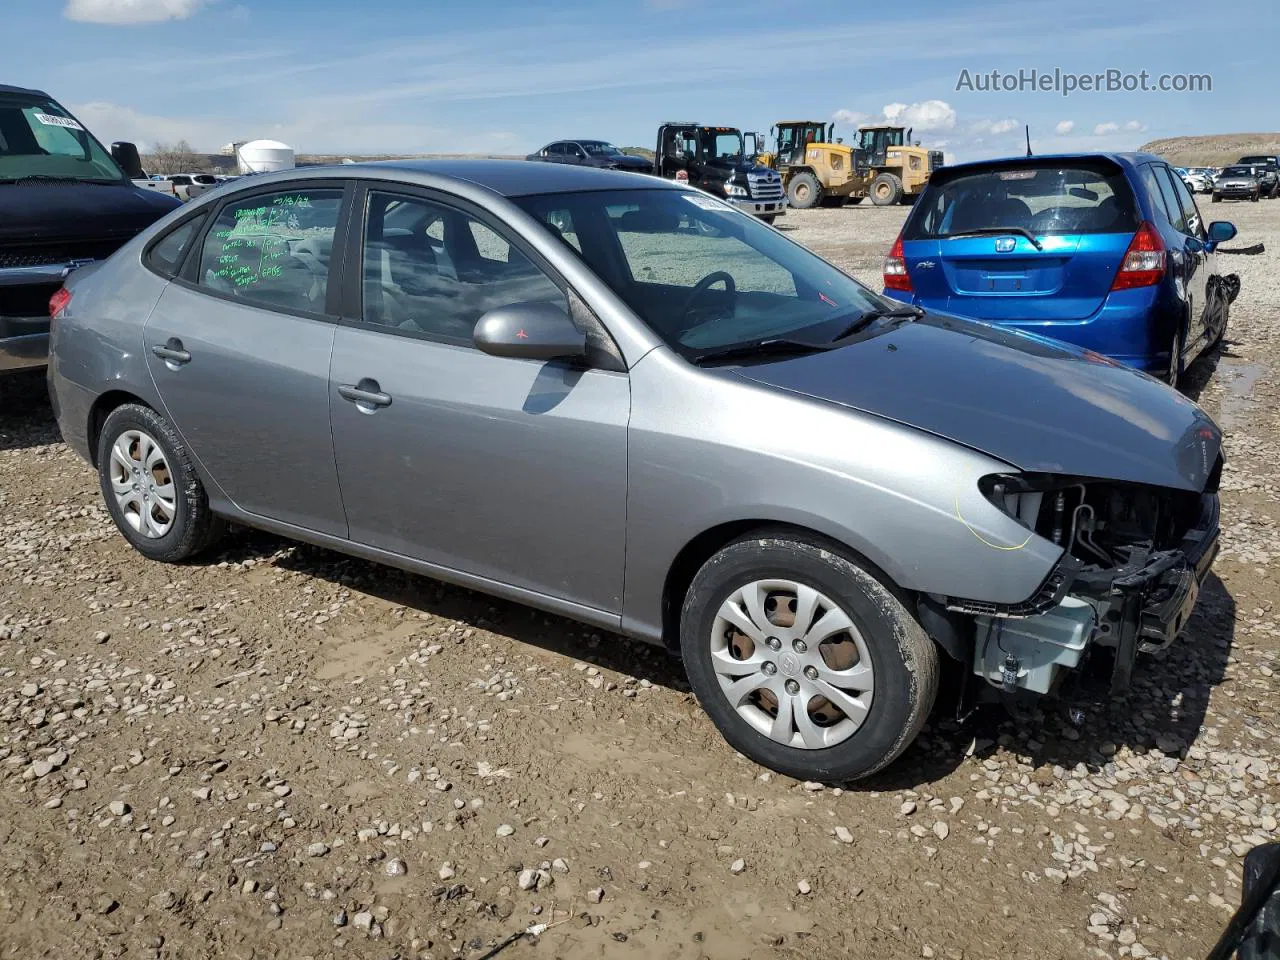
(804, 191)
(886, 190)
(1174, 375)
(151, 488)
(804, 661)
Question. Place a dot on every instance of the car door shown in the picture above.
(239, 347)
(1189, 257)
(504, 469)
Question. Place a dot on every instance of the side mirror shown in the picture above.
(530, 331)
(125, 155)
(1220, 231)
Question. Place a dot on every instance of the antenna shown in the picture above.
(1028, 139)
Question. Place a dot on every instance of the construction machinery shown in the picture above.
(898, 168)
(818, 167)
(815, 168)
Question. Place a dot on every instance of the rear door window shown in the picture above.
(273, 249)
(1165, 178)
(1041, 198)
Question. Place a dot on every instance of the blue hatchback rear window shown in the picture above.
(1042, 199)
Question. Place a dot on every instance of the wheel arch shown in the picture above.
(702, 547)
(101, 409)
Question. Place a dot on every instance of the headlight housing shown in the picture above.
(732, 189)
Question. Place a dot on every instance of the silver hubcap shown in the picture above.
(142, 484)
(792, 664)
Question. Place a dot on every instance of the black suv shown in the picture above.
(591, 153)
(1269, 181)
(64, 201)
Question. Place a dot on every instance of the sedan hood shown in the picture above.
(1034, 403)
(34, 212)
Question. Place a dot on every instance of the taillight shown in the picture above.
(1143, 263)
(58, 302)
(895, 268)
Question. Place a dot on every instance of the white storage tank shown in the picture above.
(264, 156)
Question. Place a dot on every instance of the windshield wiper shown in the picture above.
(985, 231)
(770, 346)
(904, 312)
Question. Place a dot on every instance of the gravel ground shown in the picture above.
(280, 752)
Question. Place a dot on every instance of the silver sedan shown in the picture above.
(618, 399)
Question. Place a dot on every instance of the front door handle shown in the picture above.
(365, 394)
(172, 353)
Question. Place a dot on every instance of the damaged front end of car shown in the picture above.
(1134, 558)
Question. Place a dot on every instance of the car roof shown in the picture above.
(507, 178)
(7, 89)
(1126, 160)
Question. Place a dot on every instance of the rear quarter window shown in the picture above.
(1042, 199)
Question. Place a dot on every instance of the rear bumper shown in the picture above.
(759, 208)
(1133, 327)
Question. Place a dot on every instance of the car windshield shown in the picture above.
(39, 139)
(1238, 172)
(1041, 199)
(702, 275)
(598, 148)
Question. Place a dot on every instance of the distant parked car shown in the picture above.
(591, 153)
(189, 185)
(1238, 182)
(1197, 180)
(622, 400)
(1269, 180)
(1107, 251)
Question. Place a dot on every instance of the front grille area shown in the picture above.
(28, 300)
(765, 186)
(41, 254)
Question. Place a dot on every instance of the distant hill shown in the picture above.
(1216, 150)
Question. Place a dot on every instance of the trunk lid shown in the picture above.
(967, 249)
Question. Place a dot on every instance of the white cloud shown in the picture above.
(923, 116)
(1064, 127)
(993, 127)
(130, 11)
(1102, 129)
(852, 117)
(1135, 125)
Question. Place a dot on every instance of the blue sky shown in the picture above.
(380, 76)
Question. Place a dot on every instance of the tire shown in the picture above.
(886, 190)
(1254, 198)
(1173, 376)
(1217, 198)
(168, 528)
(804, 191)
(769, 218)
(779, 570)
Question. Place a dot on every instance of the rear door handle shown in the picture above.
(172, 352)
(366, 393)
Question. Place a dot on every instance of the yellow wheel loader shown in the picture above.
(814, 168)
(818, 168)
(897, 168)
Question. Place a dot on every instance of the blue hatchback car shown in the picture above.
(1105, 251)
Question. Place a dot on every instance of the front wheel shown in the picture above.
(769, 218)
(804, 661)
(804, 191)
(1217, 198)
(152, 490)
(886, 190)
